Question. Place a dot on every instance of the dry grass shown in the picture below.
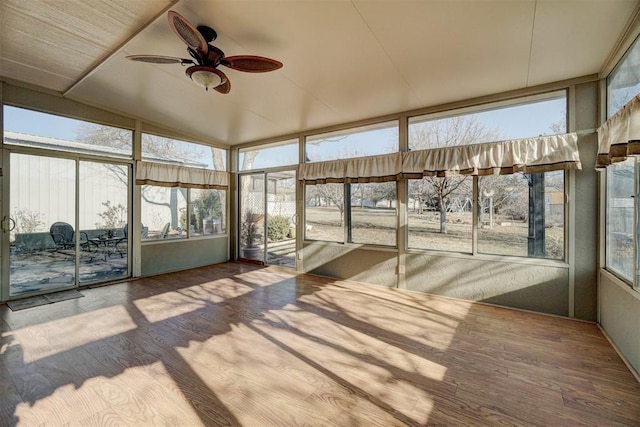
(378, 226)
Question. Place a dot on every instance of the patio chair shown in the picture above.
(63, 236)
(165, 231)
(121, 244)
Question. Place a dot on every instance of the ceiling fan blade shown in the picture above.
(225, 86)
(187, 32)
(251, 63)
(159, 59)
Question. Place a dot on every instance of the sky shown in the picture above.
(521, 121)
(41, 124)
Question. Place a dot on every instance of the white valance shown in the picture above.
(619, 137)
(529, 155)
(165, 175)
(381, 168)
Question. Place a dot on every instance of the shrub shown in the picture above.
(277, 228)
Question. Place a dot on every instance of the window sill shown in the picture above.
(493, 258)
(185, 239)
(352, 246)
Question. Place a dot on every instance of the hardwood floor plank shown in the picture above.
(236, 344)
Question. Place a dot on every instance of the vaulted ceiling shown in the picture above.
(344, 60)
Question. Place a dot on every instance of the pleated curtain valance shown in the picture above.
(529, 155)
(383, 168)
(165, 175)
(619, 137)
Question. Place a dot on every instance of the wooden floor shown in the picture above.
(246, 345)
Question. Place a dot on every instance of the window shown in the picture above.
(372, 213)
(181, 212)
(363, 213)
(494, 122)
(269, 156)
(624, 82)
(324, 212)
(620, 218)
(159, 149)
(68, 209)
(518, 215)
(440, 213)
(515, 218)
(47, 131)
(359, 142)
(207, 209)
(163, 210)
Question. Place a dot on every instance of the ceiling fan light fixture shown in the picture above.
(205, 76)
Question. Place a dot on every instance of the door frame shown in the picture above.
(264, 172)
(5, 208)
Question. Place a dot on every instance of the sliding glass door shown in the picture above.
(103, 220)
(42, 240)
(281, 218)
(67, 223)
(267, 218)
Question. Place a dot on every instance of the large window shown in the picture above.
(440, 213)
(159, 149)
(269, 156)
(620, 218)
(359, 142)
(180, 212)
(363, 212)
(518, 215)
(27, 128)
(68, 201)
(372, 213)
(522, 215)
(494, 122)
(623, 84)
(324, 212)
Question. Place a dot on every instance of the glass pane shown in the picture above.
(208, 212)
(282, 154)
(359, 142)
(619, 223)
(28, 128)
(440, 213)
(162, 208)
(103, 220)
(324, 212)
(624, 83)
(252, 217)
(373, 213)
(495, 122)
(43, 242)
(174, 151)
(522, 215)
(281, 210)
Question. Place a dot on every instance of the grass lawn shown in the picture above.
(378, 226)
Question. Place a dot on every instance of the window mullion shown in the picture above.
(475, 214)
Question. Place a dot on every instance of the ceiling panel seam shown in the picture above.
(533, 27)
(93, 68)
(400, 73)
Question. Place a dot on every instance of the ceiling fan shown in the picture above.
(203, 69)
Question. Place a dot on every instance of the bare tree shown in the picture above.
(450, 132)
